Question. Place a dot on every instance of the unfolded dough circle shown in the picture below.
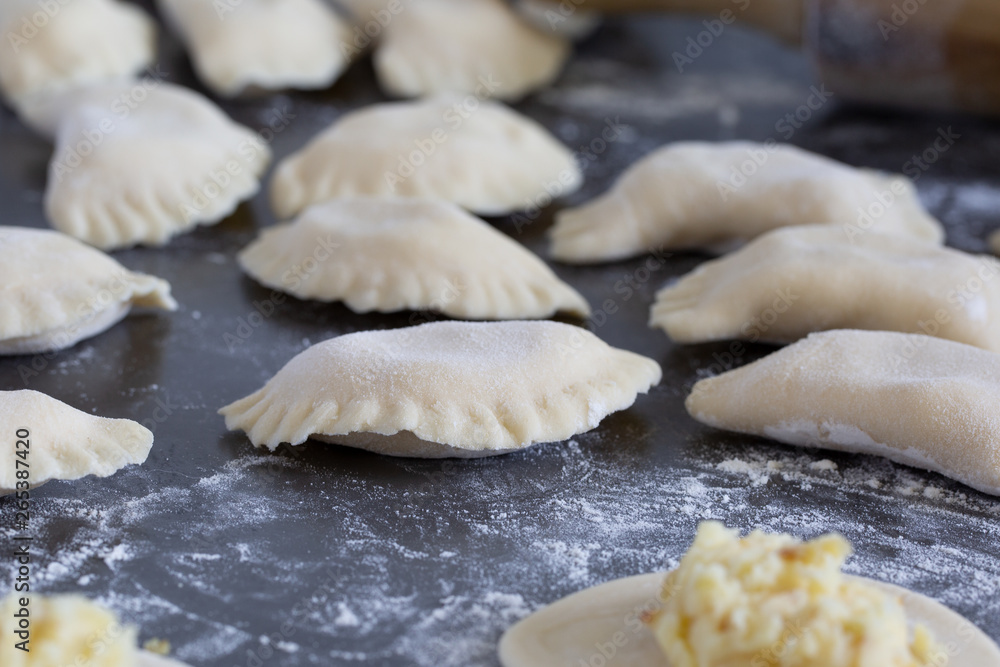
(56, 291)
(922, 401)
(60, 45)
(64, 443)
(488, 158)
(574, 628)
(138, 162)
(793, 281)
(683, 196)
(261, 44)
(407, 254)
(478, 47)
(445, 389)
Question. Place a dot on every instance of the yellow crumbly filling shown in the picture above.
(65, 631)
(774, 601)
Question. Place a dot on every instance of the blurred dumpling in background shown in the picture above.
(80, 42)
(261, 44)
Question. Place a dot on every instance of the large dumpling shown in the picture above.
(416, 254)
(797, 280)
(445, 389)
(484, 157)
(708, 195)
(918, 400)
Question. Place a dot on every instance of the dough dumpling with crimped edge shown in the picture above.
(81, 43)
(63, 442)
(490, 160)
(261, 44)
(160, 159)
(445, 389)
(480, 47)
(395, 254)
(922, 401)
(55, 291)
(710, 196)
(791, 282)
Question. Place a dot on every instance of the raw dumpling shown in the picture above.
(445, 389)
(61, 442)
(562, 18)
(396, 254)
(922, 401)
(140, 162)
(56, 291)
(72, 630)
(262, 44)
(487, 158)
(703, 195)
(794, 281)
(480, 47)
(55, 46)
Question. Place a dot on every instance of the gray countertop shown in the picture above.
(328, 556)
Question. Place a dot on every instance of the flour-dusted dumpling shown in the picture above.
(261, 44)
(918, 400)
(445, 389)
(140, 162)
(55, 46)
(567, 19)
(703, 195)
(794, 281)
(71, 630)
(56, 441)
(480, 47)
(56, 291)
(486, 158)
(416, 254)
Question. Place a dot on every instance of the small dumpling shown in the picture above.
(794, 281)
(395, 254)
(479, 47)
(261, 44)
(445, 389)
(61, 442)
(139, 162)
(59, 45)
(71, 630)
(703, 195)
(560, 18)
(56, 291)
(484, 157)
(922, 401)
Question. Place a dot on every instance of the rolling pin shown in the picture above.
(931, 54)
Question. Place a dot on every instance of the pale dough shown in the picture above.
(64, 443)
(261, 44)
(140, 162)
(476, 47)
(793, 281)
(56, 291)
(914, 399)
(395, 254)
(486, 158)
(54, 46)
(459, 389)
(608, 616)
(681, 197)
(560, 17)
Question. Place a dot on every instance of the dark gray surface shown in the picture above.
(349, 558)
